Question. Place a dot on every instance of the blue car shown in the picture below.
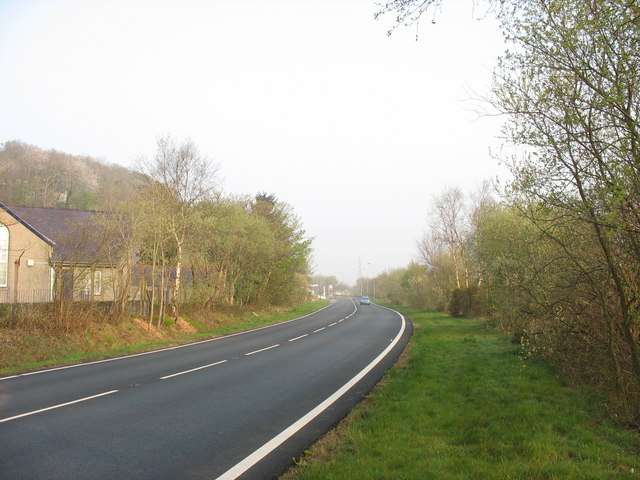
(365, 301)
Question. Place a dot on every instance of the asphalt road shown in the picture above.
(240, 406)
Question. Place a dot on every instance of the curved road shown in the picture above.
(240, 406)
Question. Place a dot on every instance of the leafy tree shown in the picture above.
(251, 253)
(569, 86)
(292, 249)
(240, 247)
(389, 285)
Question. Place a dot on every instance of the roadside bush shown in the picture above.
(465, 302)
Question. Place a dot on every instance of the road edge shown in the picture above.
(380, 364)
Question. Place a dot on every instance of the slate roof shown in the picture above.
(77, 236)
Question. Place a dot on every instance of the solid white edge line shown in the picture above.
(249, 461)
(298, 338)
(192, 370)
(37, 372)
(262, 350)
(57, 406)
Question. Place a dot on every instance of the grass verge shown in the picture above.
(463, 404)
(31, 349)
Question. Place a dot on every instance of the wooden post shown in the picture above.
(16, 271)
(15, 278)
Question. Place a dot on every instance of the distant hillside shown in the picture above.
(31, 176)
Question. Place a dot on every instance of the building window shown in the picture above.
(86, 288)
(92, 284)
(97, 282)
(4, 255)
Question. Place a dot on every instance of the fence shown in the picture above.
(26, 296)
(43, 296)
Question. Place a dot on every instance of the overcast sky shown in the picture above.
(306, 99)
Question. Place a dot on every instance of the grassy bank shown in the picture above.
(463, 404)
(23, 349)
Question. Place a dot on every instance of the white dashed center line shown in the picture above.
(57, 406)
(262, 350)
(193, 370)
(298, 338)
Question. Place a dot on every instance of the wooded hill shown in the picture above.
(30, 176)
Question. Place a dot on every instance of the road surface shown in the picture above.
(239, 406)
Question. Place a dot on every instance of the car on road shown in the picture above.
(365, 301)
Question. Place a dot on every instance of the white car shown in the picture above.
(365, 301)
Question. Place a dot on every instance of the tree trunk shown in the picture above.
(176, 291)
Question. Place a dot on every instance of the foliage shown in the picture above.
(178, 178)
(250, 253)
(34, 177)
(449, 275)
(388, 286)
(406, 286)
(558, 265)
(189, 244)
(570, 87)
(465, 302)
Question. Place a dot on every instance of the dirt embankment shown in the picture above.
(34, 346)
(25, 346)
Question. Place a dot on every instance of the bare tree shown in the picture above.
(183, 177)
(450, 227)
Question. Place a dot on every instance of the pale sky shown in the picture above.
(306, 99)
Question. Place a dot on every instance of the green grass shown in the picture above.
(87, 352)
(463, 404)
